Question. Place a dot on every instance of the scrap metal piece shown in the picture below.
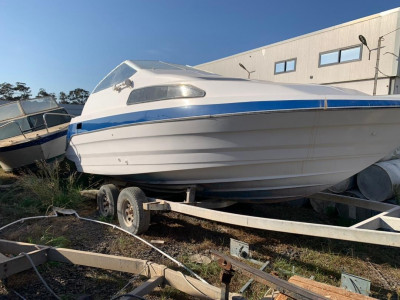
(239, 249)
(281, 285)
(355, 284)
(225, 277)
(248, 283)
(64, 211)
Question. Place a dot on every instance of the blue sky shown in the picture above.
(62, 45)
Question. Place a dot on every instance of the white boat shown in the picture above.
(30, 131)
(171, 126)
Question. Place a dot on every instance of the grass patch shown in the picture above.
(51, 185)
(49, 238)
(36, 191)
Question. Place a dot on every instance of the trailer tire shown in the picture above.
(107, 197)
(131, 215)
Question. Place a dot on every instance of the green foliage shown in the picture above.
(51, 185)
(63, 98)
(42, 93)
(10, 92)
(206, 271)
(107, 219)
(49, 238)
(19, 91)
(77, 96)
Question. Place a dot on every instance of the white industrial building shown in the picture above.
(333, 56)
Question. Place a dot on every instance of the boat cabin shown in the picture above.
(22, 117)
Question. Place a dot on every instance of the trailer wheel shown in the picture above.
(131, 215)
(107, 198)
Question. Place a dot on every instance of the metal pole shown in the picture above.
(378, 54)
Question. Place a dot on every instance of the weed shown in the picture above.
(108, 219)
(49, 238)
(210, 270)
(51, 185)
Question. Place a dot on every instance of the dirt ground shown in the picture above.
(322, 259)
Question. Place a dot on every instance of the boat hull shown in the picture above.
(27, 152)
(259, 157)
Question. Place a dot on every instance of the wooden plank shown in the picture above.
(276, 283)
(325, 290)
(104, 261)
(156, 205)
(368, 204)
(146, 287)
(15, 248)
(21, 263)
(176, 279)
(319, 230)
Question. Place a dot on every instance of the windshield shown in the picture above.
(38, 104)
(116, 76)
(10, 111)
(160, 65)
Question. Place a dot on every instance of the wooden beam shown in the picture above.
(176, 279)
(146, 288)
(21, 263)
(326, 290)
(104, 261)
(156, 205)
(318, 230)
(15, 248)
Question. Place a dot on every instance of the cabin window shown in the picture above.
(164, 92)
(118, 75)
(285, 66)
(340, 56)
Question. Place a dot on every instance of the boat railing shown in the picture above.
(18, 125)
(56, 114)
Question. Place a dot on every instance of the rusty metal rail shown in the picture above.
(284, 287)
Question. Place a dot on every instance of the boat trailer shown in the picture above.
(382, 229)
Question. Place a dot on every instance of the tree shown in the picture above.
(21, 91)
(42, 93)
(6, 91)
(63, 98)
(77, 96)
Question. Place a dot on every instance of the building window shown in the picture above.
(285, 66)
(340, 56)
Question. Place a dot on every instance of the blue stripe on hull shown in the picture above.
(35, 142)
(221, 109)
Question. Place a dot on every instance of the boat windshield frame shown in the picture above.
(25, 110)
(152, 65)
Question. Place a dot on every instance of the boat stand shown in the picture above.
(382, 229)
(158, 275)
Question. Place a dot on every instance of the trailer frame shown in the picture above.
(382, 229)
